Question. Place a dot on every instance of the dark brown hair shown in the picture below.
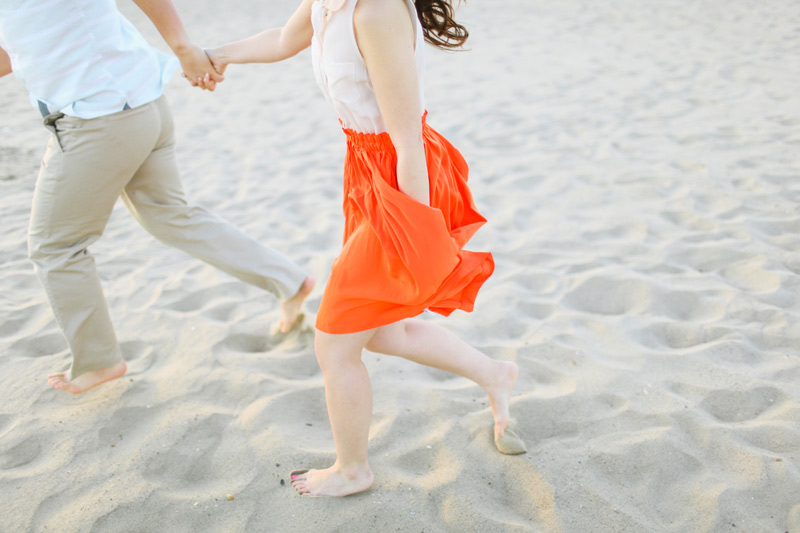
(438, 25)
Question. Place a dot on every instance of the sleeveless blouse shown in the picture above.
(340, 70)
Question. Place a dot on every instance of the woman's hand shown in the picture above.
(217, 59)
(197, 67)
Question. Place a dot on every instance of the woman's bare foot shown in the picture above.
(86, 380)
(332, 481)
(290, 309)
(499, 390)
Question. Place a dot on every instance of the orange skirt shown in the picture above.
(400, 256)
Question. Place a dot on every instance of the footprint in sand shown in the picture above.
(679, 335)
(258, 353)
(12, 327)
(224, 312)
(21, 454)
(607, 296)
(431, 466)
(192, 459)
(40, 345)
(705, 258)
(206, 298)
(130, 426)
(535, 310)
(139, 356)
(609, 405)
(752, 276)
(549, 383)
(742, 405)
(690, 221)
(693, 306)
(246, 343)
(632, 232)
(778, 227)
(660, 465)
(776, 437)
(300, 407)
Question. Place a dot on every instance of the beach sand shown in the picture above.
(639, 164)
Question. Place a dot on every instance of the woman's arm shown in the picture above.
(196, 66)
(275, 44)
(5, 63)
(385, 37)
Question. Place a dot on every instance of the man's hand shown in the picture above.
(197, 68)
(5, 63)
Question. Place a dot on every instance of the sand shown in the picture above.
(639, 163)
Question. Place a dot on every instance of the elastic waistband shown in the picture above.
(374, 141)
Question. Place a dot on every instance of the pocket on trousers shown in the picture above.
(51, 123)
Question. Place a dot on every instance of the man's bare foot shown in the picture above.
(86, 380)
(499, 391)
(332, 481)
(290, 309)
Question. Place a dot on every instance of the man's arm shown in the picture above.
(193, 60)
(5, 63)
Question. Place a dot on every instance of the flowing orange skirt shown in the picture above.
(400, 256)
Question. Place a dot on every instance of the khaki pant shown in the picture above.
(87, 166)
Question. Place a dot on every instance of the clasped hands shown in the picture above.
(199, 69)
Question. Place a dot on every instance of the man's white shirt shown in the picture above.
(81, 57)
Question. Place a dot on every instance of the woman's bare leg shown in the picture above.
(349, 398)
(435, 346)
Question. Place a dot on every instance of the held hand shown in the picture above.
(218, 61)
(5, 63)
(197, 68)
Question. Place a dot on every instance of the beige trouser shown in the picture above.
(87, 166)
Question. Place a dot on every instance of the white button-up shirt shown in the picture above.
(81, 57)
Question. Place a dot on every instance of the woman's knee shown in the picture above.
(326, 349)
(389, 339)
(335, 350)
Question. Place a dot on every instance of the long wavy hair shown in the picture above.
(438, 24)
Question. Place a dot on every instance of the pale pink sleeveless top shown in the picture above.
(340, 70)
